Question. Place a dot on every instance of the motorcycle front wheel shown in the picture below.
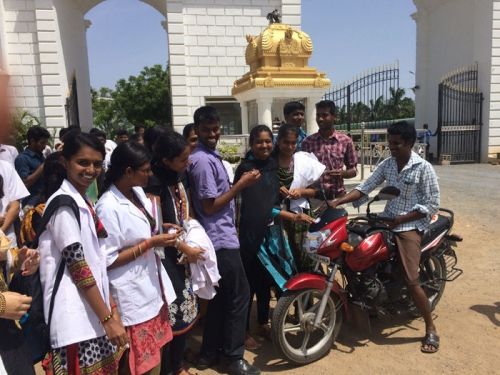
(293, 332)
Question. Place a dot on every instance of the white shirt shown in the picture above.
(204, 273)
(14, 190)
(73, 320)
(8, 153)
(135, 286)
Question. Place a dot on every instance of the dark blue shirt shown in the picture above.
(26, 163)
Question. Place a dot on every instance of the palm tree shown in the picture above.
(377, 108)
(394, 103)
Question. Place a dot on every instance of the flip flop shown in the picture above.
(431, 340)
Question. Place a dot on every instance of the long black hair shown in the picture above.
(151, 135)
(256, 130)
(53, 175)
(169, 146)
(283, 131)
(74, 141)
(125, 155)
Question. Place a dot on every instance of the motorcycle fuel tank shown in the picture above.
(338, 234)
(369, 252)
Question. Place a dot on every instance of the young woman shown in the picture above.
(86, 334)
(138, 283)
(285, 148)
(190, 136)
(260, 232)
(171, 153)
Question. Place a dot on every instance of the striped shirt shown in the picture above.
(418, 185)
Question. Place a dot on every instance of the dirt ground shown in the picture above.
(467, 317)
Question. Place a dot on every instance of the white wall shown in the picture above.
(494, 110)
(451, 34)
(207, 41)
(72, 31)
(20, 54)
(44, 44)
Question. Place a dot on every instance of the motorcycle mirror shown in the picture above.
(387, 193)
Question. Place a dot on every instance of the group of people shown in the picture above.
(168, 225)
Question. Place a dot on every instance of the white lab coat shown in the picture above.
(306, 170)
(73, 320)
(135, 286)
(204, 273)
(13, 190)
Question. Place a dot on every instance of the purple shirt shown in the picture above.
(208, 179)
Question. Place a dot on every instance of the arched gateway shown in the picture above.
(43, 46)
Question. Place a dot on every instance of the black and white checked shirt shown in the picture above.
(418, 185)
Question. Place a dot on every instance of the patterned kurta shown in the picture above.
(184, 310)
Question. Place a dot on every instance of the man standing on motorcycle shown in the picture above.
(411, 212)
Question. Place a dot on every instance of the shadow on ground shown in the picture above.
(490, 311)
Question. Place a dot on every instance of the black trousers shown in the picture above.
(226, 317)
(260, 286)
(173, 355)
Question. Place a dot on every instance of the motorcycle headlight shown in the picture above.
(313, 240)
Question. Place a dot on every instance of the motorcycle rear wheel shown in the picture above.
(433, 278)
(293, 332)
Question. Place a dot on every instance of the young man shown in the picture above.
(140, 129)
(411, 211)
(425, 138)
(294, 113)
(335, 150)
(29, 163)
(121, 136)
(213, 203)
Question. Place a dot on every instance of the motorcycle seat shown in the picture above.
(440, 225)
(360, 229)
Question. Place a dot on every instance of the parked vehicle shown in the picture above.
(356, 263)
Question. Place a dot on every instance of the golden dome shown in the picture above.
(279, 57)
(279, 45)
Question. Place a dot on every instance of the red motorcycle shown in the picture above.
(356, 263)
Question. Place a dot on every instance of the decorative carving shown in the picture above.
(278, 57)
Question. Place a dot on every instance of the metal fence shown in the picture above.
(363, 98)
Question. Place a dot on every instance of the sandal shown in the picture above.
(251, 344)
(430, 343)
(264, 331)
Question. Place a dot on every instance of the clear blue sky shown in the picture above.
(349, 37)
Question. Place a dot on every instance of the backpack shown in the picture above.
(35, 331)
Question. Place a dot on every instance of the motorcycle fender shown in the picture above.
(315, 281)
(306, 281)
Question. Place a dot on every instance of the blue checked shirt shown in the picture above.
(419, 190)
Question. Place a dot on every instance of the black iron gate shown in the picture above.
(72, 112)
(460, 117)
(364, 98)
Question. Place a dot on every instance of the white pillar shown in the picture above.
(244, 117)
(264, 110)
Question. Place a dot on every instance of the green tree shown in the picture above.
(377, 109)
(145, 99)
(106, 116)
(394, 102)
(407, 108)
